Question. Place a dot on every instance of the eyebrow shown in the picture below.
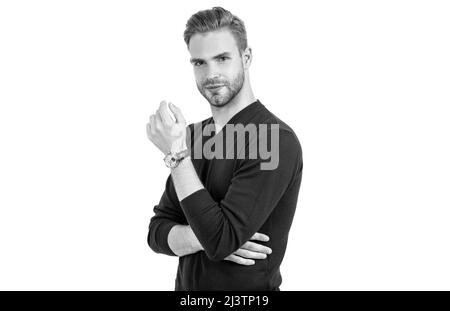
(194, 60)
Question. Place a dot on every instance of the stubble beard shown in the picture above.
(225, 95)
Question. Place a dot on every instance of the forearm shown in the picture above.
(182, 240)
(185, 179)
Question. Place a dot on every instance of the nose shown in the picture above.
(212, 72)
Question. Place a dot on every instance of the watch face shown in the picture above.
(170, 160)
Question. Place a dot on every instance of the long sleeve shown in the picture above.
(223, 227)
(168, 213)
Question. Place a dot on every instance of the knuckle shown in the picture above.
(240, 252)
(245, 253)
(251, 247)
(254, 247)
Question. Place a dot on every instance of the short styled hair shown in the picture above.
(214, 19)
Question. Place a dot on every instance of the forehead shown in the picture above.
(209, 44)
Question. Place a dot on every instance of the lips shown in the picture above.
(214, 87)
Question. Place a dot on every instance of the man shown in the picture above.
(217, 214)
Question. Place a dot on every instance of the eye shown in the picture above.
(198, 63)
(223, 58)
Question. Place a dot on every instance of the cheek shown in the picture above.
(198, 76)
(235, 69)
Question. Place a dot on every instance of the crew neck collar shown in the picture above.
(242, 115)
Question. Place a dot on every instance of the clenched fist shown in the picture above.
(166, 133)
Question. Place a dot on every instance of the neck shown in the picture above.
(222, 115)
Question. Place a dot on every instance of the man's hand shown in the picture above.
(182, 241)
(250, 250)
(167, 134)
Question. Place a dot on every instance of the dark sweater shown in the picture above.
(238, 200)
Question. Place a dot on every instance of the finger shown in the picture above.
(177, 113)
(152, 125)
(255, 247)
(240, 260)
(158, 121)
(260, 237)
(250, 254)
(164, 114)
(149, 135)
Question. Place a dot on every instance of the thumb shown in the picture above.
(177, 113)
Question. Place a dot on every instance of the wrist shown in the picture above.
(182, 163)
(173, 159)
(178, 146)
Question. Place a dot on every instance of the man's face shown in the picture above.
(218, 67)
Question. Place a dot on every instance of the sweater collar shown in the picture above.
(243, 115)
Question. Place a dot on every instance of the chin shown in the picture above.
(219, 102)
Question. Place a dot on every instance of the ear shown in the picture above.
(247, 57)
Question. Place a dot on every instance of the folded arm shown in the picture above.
(223, 227)
(169, 233)
(167, 215)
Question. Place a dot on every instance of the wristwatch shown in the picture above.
(172, 159)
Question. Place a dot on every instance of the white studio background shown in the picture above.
(365, 85)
